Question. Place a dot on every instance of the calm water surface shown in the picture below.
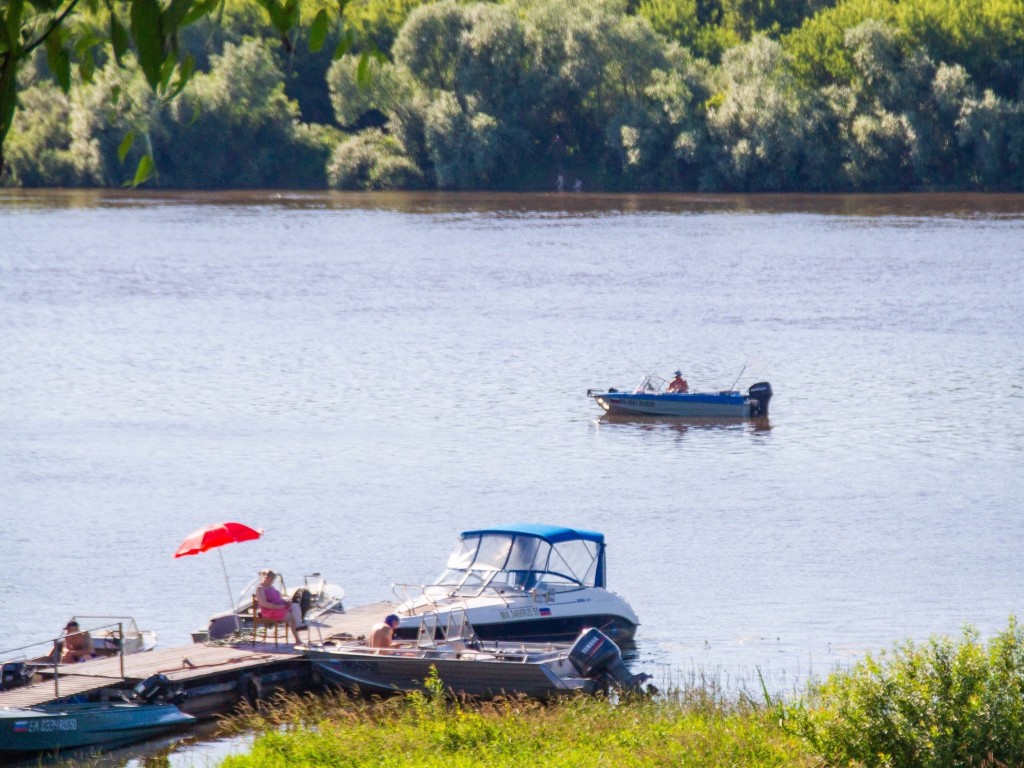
(365, 376)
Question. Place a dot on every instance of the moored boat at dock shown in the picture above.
(149, 710)
(524, 582)
(464, 665)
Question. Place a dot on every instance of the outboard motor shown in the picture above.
(16, 674)
(595, 655)
(156, 689)
(761, 394)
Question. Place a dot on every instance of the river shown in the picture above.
(364, 376)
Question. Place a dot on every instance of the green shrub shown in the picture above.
(940, 704)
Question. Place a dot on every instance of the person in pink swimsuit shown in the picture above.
(273, 605)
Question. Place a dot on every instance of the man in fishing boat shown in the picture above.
(382, 633)
(678, 384)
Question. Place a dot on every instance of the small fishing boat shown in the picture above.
(523, 582)
(315, 596)
(467, 666)
(57, 727)
(651, 398)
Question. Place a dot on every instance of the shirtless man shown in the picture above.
(77, 644)
(382, 633)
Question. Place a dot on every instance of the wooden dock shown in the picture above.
(214, 676)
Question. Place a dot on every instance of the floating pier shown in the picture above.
(214, 676)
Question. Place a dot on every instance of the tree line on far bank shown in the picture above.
(611, 95)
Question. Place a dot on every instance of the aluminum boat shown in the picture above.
(651, 398)
(448, 650)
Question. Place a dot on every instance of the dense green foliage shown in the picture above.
(945, 703)
(720, 95)
(940, 704)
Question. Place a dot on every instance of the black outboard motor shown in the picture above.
(157, 689)
(761, 394)
(595, 655)
(16, 674)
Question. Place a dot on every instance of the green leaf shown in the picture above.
(87, 66)
(187, 69)
(318, 31)
(291, 15)
(147, 29)
(125, 145)
(363, 75)
(118, 38)
(86, 42)
(59, 60)
(348, 39)
(276, 13)
(143, 172)
(175, 15)
(166, 70)
(199, 10)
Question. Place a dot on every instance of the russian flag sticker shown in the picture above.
(545, 611)
(21, 726)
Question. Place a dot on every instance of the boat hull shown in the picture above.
(480, 675)
(525, 616)
(696, 405)
(51, 727)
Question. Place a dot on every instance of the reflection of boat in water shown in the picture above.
(316, 597)
(63, 726)
(467, 666)
(650, 398)
(685, 424)
(525, 582)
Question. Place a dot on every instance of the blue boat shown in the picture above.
(59, 727)
(62, 726)
(652, 399)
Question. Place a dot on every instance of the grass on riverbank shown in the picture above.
(691, 727)
(944, 703)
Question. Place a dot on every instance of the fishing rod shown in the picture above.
(740, 373)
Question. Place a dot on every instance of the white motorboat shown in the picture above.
(467, 666)
(523, 582)
(651, 398)
(315, 596)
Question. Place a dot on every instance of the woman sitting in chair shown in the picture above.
(273, 606)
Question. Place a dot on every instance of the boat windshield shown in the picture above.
(521, 561)
(651, 384)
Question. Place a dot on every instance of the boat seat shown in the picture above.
(259, 622)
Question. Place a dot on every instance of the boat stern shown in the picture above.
(760, 395)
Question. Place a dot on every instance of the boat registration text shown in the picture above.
(43, 726)
(514, 614)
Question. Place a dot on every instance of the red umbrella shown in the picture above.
(211, 536)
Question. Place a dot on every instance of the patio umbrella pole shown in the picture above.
(231, 595)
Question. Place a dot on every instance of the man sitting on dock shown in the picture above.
(77, 645)
(383, 632)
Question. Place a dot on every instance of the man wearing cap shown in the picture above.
(77, 644)
(678, 384)
(382, 633)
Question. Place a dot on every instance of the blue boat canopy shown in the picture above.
(552, 533)
(525, 556)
